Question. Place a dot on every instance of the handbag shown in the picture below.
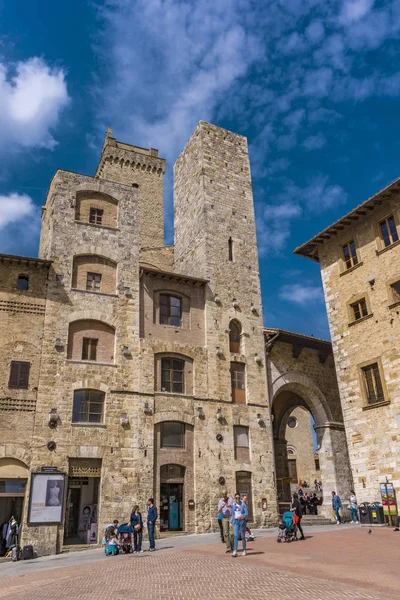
(137, 527)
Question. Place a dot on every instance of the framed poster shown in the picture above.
(46, 499)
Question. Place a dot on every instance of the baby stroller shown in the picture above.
(288, 530)
(249, 535)
(125, 538)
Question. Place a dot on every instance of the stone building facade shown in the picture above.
(145, 367)
(359, 258)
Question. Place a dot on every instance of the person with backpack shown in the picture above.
(336, 506)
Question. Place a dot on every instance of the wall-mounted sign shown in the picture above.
(191, 504)
(46, 499)
(49, 469)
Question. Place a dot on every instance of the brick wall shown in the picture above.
(95, 264)
(87, 200)
(86, 328)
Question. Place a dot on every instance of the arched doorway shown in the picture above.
(13, 480)
(295, 395)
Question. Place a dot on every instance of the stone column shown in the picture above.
(282, 470)
(335, 465)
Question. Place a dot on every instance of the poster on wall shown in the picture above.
(88, 516)
(46, 499)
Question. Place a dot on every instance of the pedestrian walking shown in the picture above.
(336, 506)
(238, 520)
(296, 508)
(225, 508)
(152, 516)
(353, 507)
(137, 526)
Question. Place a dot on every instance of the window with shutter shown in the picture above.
(19, 375)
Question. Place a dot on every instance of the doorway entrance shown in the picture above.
(81, 513)
(171, 511)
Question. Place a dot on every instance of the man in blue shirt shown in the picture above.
(337, 505)
(151, 520)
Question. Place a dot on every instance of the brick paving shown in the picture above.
(270, 571)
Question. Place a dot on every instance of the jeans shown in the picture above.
(227, 529)
(338, 517)
(239, 530)
(354, 514)
(137, 540)
(150, 528)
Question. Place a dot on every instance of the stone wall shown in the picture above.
(372, 430)
(300, 442)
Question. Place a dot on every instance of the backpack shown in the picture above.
(27, 552)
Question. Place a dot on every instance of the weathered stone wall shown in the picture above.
(300, 440)
(372, 431)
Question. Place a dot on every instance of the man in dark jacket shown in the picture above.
(296, 508)
(151, 521)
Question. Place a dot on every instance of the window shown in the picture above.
(172, 435)
(19, 375)
(237, 381)
(230, 250)
(388, 231)
(372, 384)
(96, 216)
(292, 422)
(172, 375)
(88, 406)
(234, 336)
(93, 281)
(359, 309)
(350, 254)
(317, 465)
(89, 348)
(23, 283)
(395, 287)
(170, 310)
(241, 443)
(172, 472)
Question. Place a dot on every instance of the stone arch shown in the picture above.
(77, 349)
(92, 384)
(16, 451)
(93, 272)
(92, 315)
(89, 250)
(174, 415)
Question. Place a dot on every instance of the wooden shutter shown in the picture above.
(19, 375)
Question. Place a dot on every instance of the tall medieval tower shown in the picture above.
(215, 238)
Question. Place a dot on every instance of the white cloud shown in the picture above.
(315, 31)
(314, 142)
(274, 225)
(300, 294)
(354, 10)
(31, 99)
(19, 224)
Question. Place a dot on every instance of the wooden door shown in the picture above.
(292, 464)
(238, 383)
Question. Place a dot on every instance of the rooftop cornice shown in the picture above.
(168, 275)
(310, 248)
(130, 156)
(37, 262)
(298, 341)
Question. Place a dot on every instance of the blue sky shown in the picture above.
(314, 86)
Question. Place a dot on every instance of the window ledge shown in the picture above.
(351, 269)
(83, 424)
(158, 393)
(94, 293)
(378, 252)
(97, 226)
(362, 319)
(90, 362)
(376, 405)
(394, 305)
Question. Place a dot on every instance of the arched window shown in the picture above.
(94, 274)
(234, 336)
(91, 340)
(88, 406)
(170, 310)
(173, 375)
(23, 283)
(96, 208)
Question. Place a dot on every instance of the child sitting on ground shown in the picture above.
(112, 548)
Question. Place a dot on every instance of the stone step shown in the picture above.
(315, 520)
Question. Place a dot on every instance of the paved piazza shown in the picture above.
(345, 564)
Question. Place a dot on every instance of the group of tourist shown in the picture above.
(232, 516)
(113, 533)
(309, 502)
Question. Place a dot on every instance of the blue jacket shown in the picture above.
(152, 514)
(136, 520)
(336, 502)
(243, 510)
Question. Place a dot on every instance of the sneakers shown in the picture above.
(140, 552)
(396, 529)
(357, 523)
(234, 553)
(244, 553)
(338, 523)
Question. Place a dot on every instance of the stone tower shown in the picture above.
(215, 237)
(142, 168)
